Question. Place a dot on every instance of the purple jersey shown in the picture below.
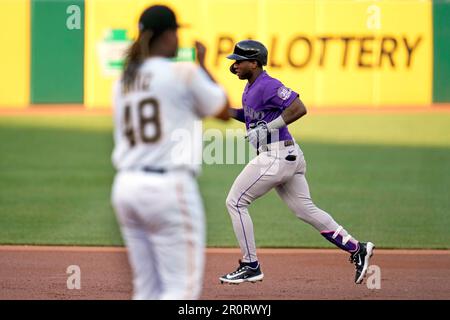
(265, 100)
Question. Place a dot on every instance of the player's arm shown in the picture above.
(204, 97)
(237, 114)
(293, 112)
(224, 114)
(201, 54)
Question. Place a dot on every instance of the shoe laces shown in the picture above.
(241, 266)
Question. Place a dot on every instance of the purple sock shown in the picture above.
(349, 245)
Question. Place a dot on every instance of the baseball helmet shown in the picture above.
(249, 50)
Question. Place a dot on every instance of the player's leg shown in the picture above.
(146, 284)
(146, 281)
(256, 179)
(295, 193)
(180, 241)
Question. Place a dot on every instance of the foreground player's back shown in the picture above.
(155, 118)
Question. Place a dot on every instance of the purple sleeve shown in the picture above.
(278, 95)
(239, 115)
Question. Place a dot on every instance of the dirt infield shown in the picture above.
(29, 272)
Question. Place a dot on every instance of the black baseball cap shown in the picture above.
(158, 19)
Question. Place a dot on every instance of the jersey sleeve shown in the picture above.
(209, 97)
(277, 95)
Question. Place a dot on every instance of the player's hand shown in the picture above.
(257, 136)
(201, 52)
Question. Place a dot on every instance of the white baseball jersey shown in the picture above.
(161, 215)
(155, 121)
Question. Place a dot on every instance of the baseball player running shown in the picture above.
(268, 107)
(155, 193)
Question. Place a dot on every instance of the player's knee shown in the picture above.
(231, 203)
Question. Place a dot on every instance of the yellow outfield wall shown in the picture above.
(333, 52)
(15, 53)
(109, 19)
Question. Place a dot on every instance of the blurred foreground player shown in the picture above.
(155, 193)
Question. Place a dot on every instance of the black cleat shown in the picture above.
(242, 274)
(361, 260)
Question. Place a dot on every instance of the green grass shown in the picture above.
(385, 177)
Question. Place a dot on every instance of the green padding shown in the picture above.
(441, 73)
(57, 51)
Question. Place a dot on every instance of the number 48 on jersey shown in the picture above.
(148, 125)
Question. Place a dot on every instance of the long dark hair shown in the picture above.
(136, 54)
